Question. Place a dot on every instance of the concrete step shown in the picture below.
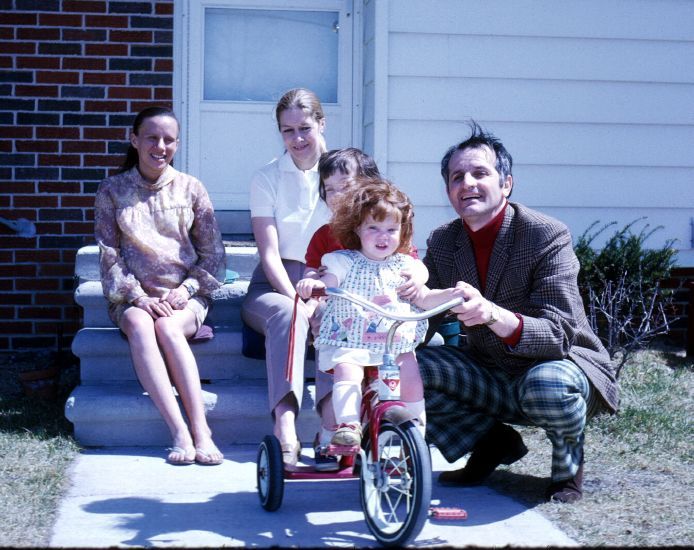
(109, 408)
(240, 258)
(225, 311)
(123, 415)
(105, 357)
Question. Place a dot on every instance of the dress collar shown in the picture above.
(286, 164)
(164, 179)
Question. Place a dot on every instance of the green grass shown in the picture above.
(36, 451)
(639, 472)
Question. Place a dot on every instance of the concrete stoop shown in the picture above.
(122, 414)
(109, 407)
(105, 356)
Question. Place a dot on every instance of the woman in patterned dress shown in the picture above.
(161, 255)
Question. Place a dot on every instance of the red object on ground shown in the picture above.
(447, 512)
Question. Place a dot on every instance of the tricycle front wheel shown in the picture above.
(270, 473)
(395, 488)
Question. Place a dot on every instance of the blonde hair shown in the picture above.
(375, 196)
(303, 99)
(308, 102)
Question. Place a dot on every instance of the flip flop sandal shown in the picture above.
(205, 459)
(181, 451)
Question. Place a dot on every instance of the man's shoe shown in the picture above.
(501, 445)
(567, 491)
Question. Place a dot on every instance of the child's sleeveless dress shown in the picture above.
(350, 333)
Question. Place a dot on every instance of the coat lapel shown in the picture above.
(500, 252)
(464, 259)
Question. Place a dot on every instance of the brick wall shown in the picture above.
(72, 75)
(681, 332)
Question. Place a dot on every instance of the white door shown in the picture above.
(233, 61)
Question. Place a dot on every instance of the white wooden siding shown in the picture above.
(368, 77)
(594, 99)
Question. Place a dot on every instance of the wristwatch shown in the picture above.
(495, 314)
(189, 288)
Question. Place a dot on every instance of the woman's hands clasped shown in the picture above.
(175, 299)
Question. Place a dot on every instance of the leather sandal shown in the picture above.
(291, 453)
(178, 456)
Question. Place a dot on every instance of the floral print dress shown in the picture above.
(347, 325)
(153, 237)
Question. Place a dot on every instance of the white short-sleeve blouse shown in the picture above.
(281, 191)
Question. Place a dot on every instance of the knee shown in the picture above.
(282, 320)
(554, 396)
(167, 329)
(136, 323)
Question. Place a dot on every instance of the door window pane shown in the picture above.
(256, 55)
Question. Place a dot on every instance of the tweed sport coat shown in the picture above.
(532, 271)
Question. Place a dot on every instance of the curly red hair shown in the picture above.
(375, 196)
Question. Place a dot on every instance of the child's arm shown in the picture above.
(428, 298)
(306, 285)
(417, 275)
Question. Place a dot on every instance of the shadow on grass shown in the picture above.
(43, 417)
(524, 488)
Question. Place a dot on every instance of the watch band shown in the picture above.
(495, 314)
(190, 289)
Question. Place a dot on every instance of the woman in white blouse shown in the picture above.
(285, 212)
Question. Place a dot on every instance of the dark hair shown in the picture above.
(349, 161)
(131, 156)
(375, 196)
(480, 138)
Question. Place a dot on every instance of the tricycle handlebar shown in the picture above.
(333, 291)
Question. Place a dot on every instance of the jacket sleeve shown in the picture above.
(551, 309)
(119, 284)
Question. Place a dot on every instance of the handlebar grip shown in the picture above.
(318, 293)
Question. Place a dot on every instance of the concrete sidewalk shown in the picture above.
(123, 497)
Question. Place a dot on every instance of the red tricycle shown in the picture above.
(393, 462)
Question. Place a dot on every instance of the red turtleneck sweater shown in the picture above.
(482, 245)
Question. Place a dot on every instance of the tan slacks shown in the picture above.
(270, 313)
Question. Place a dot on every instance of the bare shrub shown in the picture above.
(621, 289)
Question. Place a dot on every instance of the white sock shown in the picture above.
(347, 401)
(418, 411)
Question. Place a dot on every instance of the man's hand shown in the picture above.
(415, 279)
(410, 288)
(477, 310)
